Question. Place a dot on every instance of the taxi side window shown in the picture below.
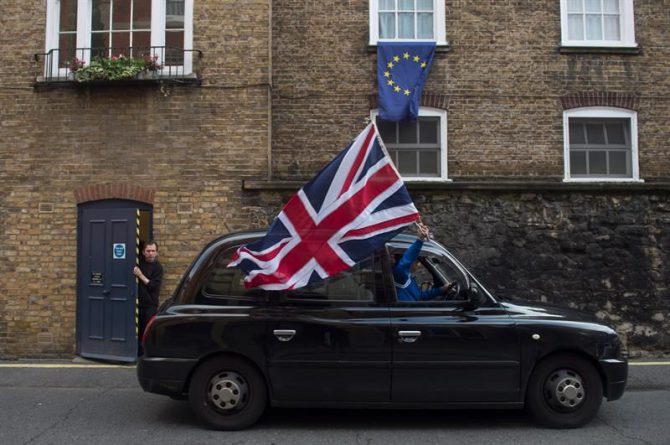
(433, 270)
(358, 283)
(224, 281)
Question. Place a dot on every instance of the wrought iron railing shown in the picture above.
(162, 63)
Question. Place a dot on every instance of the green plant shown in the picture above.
(114, 68)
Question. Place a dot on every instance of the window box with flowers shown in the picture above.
(115, 68)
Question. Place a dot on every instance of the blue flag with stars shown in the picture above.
(402, 69)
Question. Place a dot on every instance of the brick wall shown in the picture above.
(503, 80)
(504, 77)
(192, 147)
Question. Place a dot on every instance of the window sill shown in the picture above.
(604, 180)
(568, 49)
(148, 80)
(440, 48)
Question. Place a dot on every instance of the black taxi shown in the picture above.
(348, 342)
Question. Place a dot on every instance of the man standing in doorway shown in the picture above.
(149, 276)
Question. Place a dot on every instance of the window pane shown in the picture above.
(142, 44)
(406, 5)
(615, 134)
(406, 25)
(577, 163)
(387, 5)
(174, 53)
(428, 163)
(355, 284)
(386, 131)
(594, 27)
(175, 14)
(100, 44)
(595, 134)
(592, 6)
(424, 5)
(424, 25)
(407, 133)
(66, 49)
(227, 281)
(612, 31)
(598, 163)
(611, 6)
(68, 15)
(577, 134)
(100, 16)
(407, 162)
(121, 44)
(428, 131)
(575, 6)
(121, 15)
(387, 25)
(142, 14)
(618, 163)
(575, 27)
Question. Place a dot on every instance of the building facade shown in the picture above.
(540, 157)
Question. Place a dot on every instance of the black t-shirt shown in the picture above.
(148, 293)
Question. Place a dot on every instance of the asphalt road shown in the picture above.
(105, 405)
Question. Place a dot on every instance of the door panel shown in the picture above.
(333, 354)
(330, 341)
(106, 285)
(457, 355)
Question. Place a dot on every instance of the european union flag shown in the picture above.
(402, 69)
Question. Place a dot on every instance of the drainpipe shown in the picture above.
(269, 176)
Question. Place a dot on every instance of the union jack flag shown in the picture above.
(353, 206)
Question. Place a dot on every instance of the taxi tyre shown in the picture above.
(227, 393)
(564, 391)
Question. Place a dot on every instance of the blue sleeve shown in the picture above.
(402, 268)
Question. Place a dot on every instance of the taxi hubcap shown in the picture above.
(228, 391)
(565, 389)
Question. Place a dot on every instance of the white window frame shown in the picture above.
(626, 26)
(601, 113)
(439, 25)
(429, 112)
(84, 8)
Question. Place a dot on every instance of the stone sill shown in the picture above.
(63, 82)
(599, 50)
(438, 49)
(492, 185)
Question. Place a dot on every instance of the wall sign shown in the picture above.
(119, 251)
(96, 277)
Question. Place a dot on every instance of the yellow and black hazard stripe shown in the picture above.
(137, 280)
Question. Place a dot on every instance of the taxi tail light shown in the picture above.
(146, 329)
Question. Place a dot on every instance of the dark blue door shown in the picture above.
(106, 285)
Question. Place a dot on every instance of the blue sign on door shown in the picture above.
(119, 250)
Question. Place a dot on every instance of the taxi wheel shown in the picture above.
(564, 391)
(227, 393)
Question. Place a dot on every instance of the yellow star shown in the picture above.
(423, 64)
(387, 74)
(396, 89)
(390, 82)
(405, 56)
(416, 58)
(407, 92)
(390, 64)
(396, 59)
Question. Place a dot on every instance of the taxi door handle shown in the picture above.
(409, 336)
(284, 334)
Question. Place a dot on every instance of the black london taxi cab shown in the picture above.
(347, 342)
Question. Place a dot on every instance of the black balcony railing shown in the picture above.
(88, 65)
